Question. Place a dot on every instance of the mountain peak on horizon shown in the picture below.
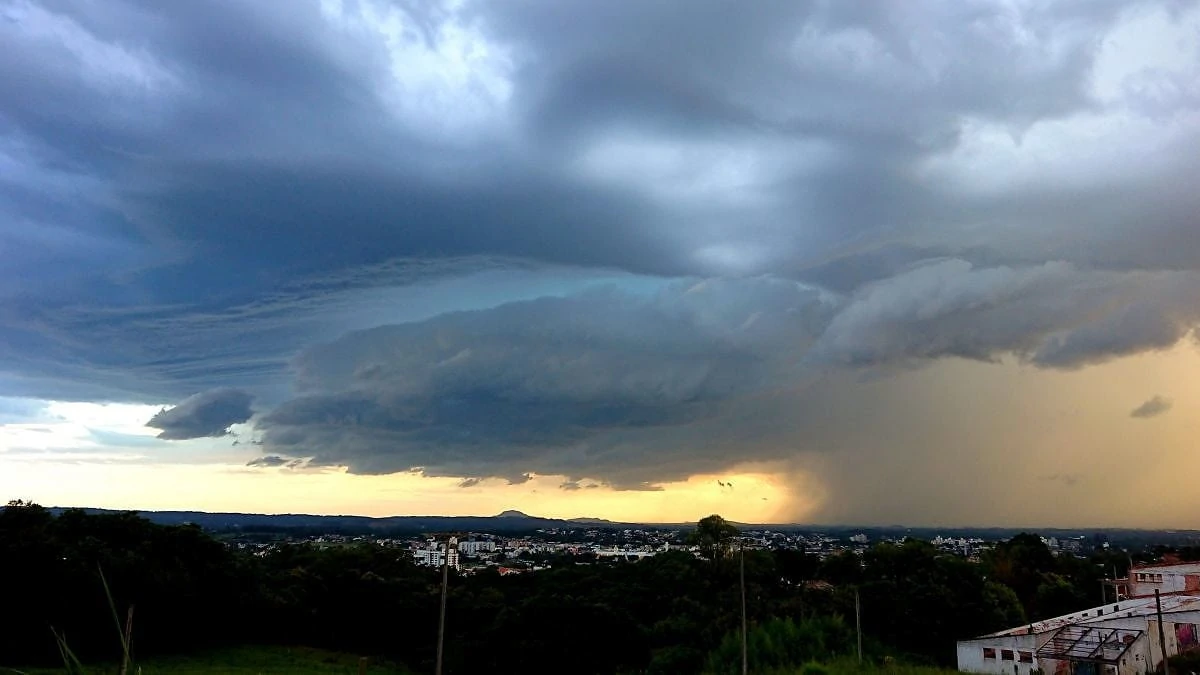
(512, 513)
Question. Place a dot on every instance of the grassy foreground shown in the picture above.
(242, 661)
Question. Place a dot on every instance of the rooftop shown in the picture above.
(1124, 608)
(1089, 643)
(1176, 568)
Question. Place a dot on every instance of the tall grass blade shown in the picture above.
(124, 634)
(71, 663)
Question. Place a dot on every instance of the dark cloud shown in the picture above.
(469, 482)
(276, 461)
(1153, 407)
(636, 389)
(1054, 315)
(269, 461)
(548, 386)
(207, 414)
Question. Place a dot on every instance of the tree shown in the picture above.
(714, 535)
(1021, 563)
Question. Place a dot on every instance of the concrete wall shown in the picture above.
(971, 658)
(1163, 581)
(1170, 622)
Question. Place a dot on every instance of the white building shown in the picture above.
(1117, 639)
(434, 555)
(473, 549)
(1143, 581)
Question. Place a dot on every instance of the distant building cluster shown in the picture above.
(436, 554)
(514, 554)
(1126, 637)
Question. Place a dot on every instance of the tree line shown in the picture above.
(671, 613)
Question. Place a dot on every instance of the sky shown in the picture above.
(927, 263)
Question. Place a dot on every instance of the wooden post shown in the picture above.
(1162, 637)
(858, 623)
(442, 615)
(742, 574)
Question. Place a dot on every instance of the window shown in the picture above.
(989, 652)
(1006, 654)
(1025, 657)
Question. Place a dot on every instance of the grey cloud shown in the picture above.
(469, 482)
(165, 352)
(549, 386)
(203, 415)
(268, 461)
(1053, 315)
(276, 462)
(637, 389)
(1152, 408)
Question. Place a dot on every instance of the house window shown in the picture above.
(1006, 654)
(989, 652)
(1025, 657)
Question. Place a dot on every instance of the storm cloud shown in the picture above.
(204, 415)
(546, 386)
(576, 385)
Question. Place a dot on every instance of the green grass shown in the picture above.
(241, 661)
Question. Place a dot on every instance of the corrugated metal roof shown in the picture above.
(1124, 608)
(1089, 643)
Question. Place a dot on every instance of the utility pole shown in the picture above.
(442, 616)
(858, 623)
(1162, 637)
(742, 576)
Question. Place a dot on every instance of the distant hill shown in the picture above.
(592, 521)
(507, 521)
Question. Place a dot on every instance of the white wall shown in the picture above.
(971, 660)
